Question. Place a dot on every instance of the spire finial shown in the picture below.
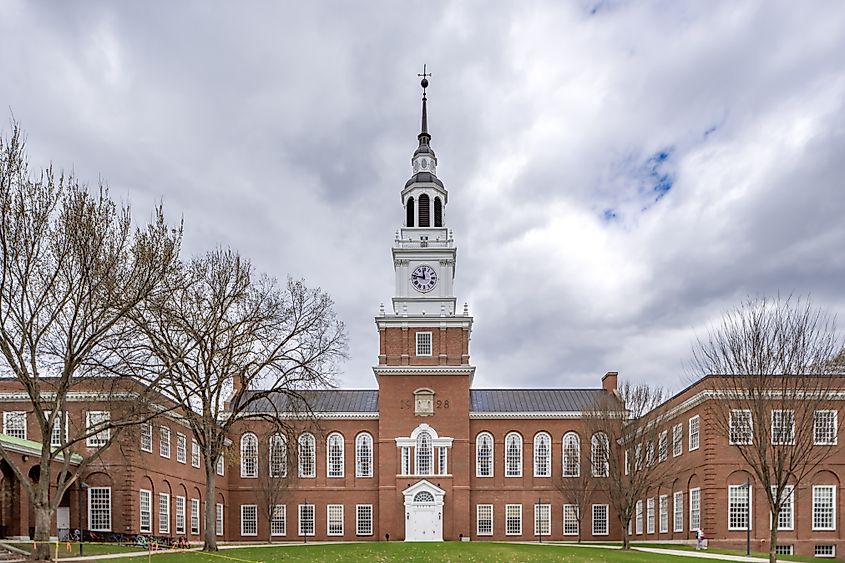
(424, 84)
(424, 81)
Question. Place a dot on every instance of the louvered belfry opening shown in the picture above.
(409, 212)
(424, 211)
(438, 212)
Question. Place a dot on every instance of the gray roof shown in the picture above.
(321, 401)
(534, 400)
(424, 177)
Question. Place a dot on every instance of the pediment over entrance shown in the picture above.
(423, 486)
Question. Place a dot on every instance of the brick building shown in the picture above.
(425, 456)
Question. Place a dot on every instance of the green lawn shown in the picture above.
(470, 552)
(727, 551)
(88, 549)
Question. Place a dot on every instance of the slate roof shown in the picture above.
(323, 401)
(424, 177)
(533, 400)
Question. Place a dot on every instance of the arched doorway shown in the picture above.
(423, 512)
(10, 502)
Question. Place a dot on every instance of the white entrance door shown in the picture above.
(62, 521)
(424, 519)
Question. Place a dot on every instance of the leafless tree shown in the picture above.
(274, 479)
(772, 366)
(578, 491)
(72, 269)
(232, 342)
(633, 460)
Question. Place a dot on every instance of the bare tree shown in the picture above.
(578, 491)
(232, 342)
(633, 458)
(772, 362)
(273, 479)
(72, 268)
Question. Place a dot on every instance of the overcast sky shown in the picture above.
(619, 173)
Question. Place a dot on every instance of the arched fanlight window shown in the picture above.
(438, 212)
(571, 455)
(409, 212)
(542, 455)
(278, 456)
(423, 496)
(307, 456)
(334, 455)
(425, 212)
(249, 455)
(425, 453)
(600, 455)
(484, 455)
(364, 455)
(513, 455)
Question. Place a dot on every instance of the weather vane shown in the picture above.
(424, 81)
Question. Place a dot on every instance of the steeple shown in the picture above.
(424, 137)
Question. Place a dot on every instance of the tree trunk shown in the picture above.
(773, 539)
(210, 543)
(43, 519)
(625, 543)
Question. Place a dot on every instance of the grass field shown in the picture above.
(478, 552)
(89, 549)
(727, 551)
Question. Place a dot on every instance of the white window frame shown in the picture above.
(102, 437)
(678, 439)
(678, 511)
(220, 466)
(694, 435)
(364, 458)
(305, 508)
(490, 462)
(788, 501)
(513, 513)
(180, 515)
(421, 345)
(638, 518)
(599, 447)
(606, 530)
(542, 515)
(308, 438)
(195, 516)
(744, 508)
(147, 437)
(249, 456)
(734, 436)
(824, 547)
(333, 510)
(195, 453)
(834, 430)
(335, 466)
(542, 461)
(95, 491)
(59, 423)
(219, 512)
(164, 513)
(164, 442)
(571, 467)
(181, 448)
(663, 446)
(277, 458)
(249, 515)
(517, 469)
(148, 527)
(279, 520)
(789, 439)
(694, 509)
(479, 509)
(663, 514)
(363, 526)
(649, 515)
(816, 488)
(16, 419)
(570, 520)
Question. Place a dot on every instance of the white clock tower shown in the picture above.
(424, 251)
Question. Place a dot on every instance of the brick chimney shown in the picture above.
(608, 382)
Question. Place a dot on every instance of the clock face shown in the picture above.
(424, 278)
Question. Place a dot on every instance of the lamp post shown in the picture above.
(82, 488)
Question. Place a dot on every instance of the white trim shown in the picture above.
(417, 336)
(424, 370)
(478, 508)
(606, 520)
(90, 526)
(329, 474)
(284, 512)
(749, 511)
(148, 529)
(534, 415)
(329, 519)
(813, 508)
(358, 520)
(519, 532)
(697, 418)
(255, 508)
(791, 497)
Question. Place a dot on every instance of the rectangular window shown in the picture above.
(278, 523)
(513, 519)
(739, 505)
(694, 509)
(442, 468)
(97, 420)
(334, 519)
(600, 520)
(423, 344)
(14, 424)
(364, 520)
(147, 437)
(649, 515)
(694, 433)
(825, 428)
(484, 519)
(164, 442)
(663, 446)
(825, 551)
(181, 448)
(741, 428)
(145, 504)
(570, 519)
(783, 427)
(824, 507)
(180, 515)
(306, 519)
(195, 454)
(59, 423)
(195, 516)
(221, 465)
(787, 508)
(163, 513)
(542, 519)
(678, 511)
(664, 514)
(639, 517)
(677, 440)
(784, 550)
(249, 520)
(99, 509)
(218, 517)
(406, 460)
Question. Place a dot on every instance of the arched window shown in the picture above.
(278, 456)
(571, 455)
(513, 455)
(307, 456)
(425, 204)
(484, 455)
(364, 455)
(542, 455)
(334, 455)
(599, 455)
(409, 212)
(424, 454)
(438, 212)
(249, 455)
(423, 496)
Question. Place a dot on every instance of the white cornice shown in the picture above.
(424, 370)
(567, 415)
(426, 321)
